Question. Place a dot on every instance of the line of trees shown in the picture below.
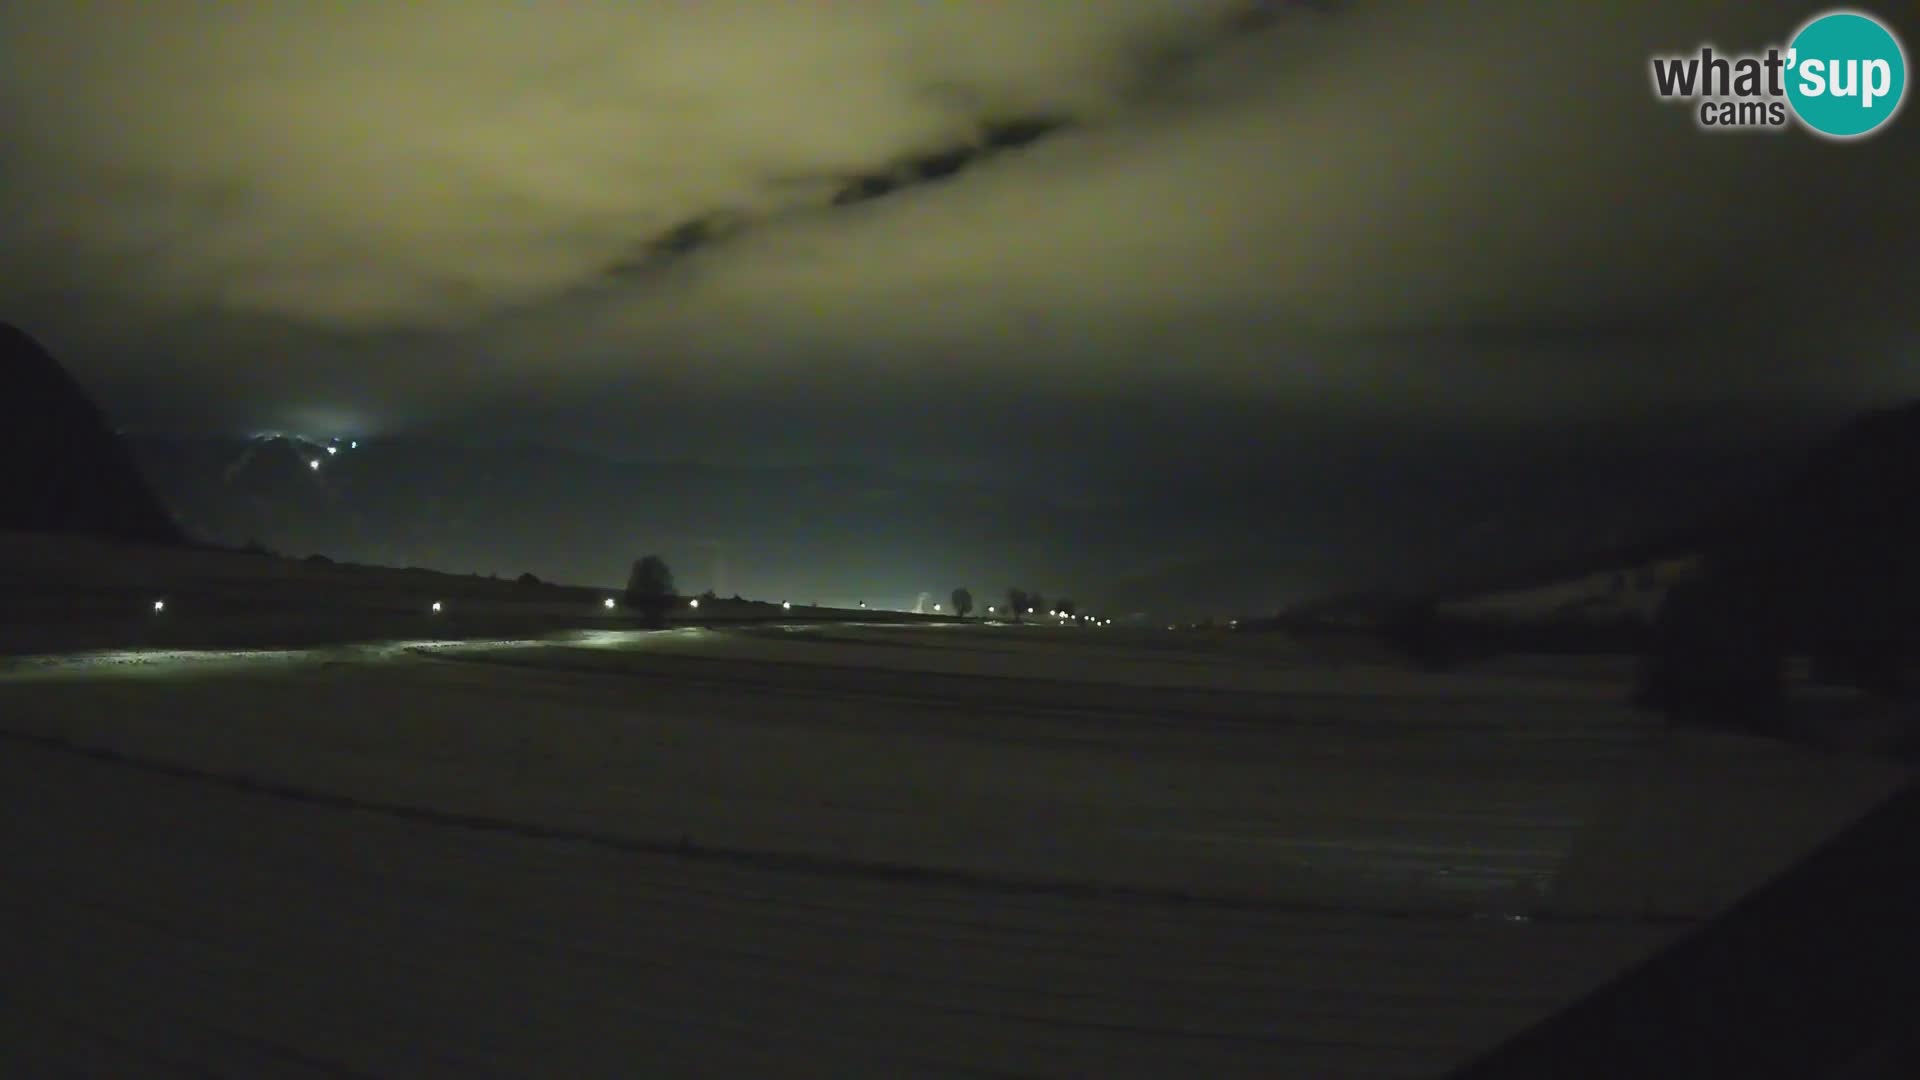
(650, 593)
(1020, 603)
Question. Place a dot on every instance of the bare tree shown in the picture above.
(962, 602)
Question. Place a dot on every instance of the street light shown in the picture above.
(694, 603)
(786, 605)
(436, 607)
(314, 464)
(607, 603)
(159, 606)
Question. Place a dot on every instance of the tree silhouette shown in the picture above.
(650, 589)
(962, 602)
(1018, 602)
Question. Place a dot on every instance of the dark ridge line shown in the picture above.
(790, 862)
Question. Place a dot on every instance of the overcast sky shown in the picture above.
(649, 225)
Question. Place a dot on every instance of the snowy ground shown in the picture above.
(847, 850)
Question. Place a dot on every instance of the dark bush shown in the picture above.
(1716, 658)
(1421, 635)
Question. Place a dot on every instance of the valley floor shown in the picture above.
(847, 850)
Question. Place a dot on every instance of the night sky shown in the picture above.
(1126, 242)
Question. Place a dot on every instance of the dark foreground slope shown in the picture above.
(62, 466)
(1812, 976)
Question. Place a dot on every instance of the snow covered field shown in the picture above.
(848, 850)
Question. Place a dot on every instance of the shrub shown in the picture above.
(1715, 659)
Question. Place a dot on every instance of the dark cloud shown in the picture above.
(1389, 212)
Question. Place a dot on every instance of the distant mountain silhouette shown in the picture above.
(1828, 567)
(62, 466)
(1244, 541)
(1839, 548)
(1823, 563)
(1858, 497)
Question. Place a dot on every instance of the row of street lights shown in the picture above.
(1066, 616)
(609, 603)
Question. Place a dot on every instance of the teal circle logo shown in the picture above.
(1846, 74)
